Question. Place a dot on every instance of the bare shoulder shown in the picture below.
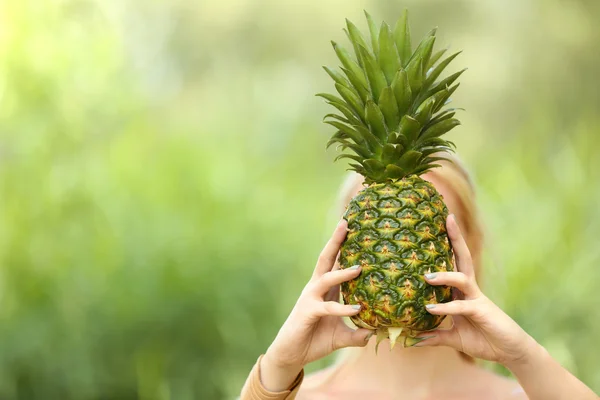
(312, 386)
(498, 387)
(482, 384)
(318, 386)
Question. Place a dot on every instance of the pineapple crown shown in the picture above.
(391, 102)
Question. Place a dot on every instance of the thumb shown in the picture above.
(352, 338)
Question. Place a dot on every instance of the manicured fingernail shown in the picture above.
(356, 306)
(430, 306)
(354, 267)
(431, 275)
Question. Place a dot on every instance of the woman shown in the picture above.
(439, 367)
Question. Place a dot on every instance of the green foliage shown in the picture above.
(376, 110)
(164, 190)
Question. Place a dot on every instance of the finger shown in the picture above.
(330, 251)
(461, 250)
(336, 265)
(352, 338)
(333, 308)
(456, 307)
(333, 278)
(462, 282)
(332, 294)
(441, 337)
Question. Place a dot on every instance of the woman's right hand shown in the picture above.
(314, 328)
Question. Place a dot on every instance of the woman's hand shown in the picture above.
(314, 328)
(481, 329)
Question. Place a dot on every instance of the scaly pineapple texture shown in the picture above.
(397, 234)
(391, 120)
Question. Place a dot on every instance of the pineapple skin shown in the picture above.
(397, 233)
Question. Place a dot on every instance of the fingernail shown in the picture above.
(354, 267)
(369, 336)
(453, 217)
(431, 275)
(430, 306)
(356, 306)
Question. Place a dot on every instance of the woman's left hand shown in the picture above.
(481, 329)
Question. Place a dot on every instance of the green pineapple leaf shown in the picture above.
(356, 158)
(425, 110)
(352, 99)
(409, 160)
(414, 71)
(435, 73)
(443, 115)
(348, 130)
(391, 103)
(402, 91)
(376, 121)
(439, 129)
(330, 98)
(337, 77)
(389, 108)
(349, 63)
(375, 75)
(339, 135)
(388, 156)
(445, 99)
(357, 83)
(402, 38)
(357, 168)
(433, 145)
(394, 172)
(344, 109)
(374, 166)
(435, 58)
(409, 128)
(428, 50)
(352, 121)
(424, 50)
(374, 33)
(359, 150)
(446, 82)
(394, 336)
(374, 144)
(424, 168)
(357, 40)
(402, 139)
(389, 60)
(338, 117)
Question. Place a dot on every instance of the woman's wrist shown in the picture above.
(533, 354)
(277, 375)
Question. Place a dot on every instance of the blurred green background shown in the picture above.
(164, 188)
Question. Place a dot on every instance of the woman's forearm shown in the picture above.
(268, 381)
(543, 378)
(276, 377)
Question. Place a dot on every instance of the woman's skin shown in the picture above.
(434, 369)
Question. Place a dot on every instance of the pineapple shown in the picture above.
(392, 118)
